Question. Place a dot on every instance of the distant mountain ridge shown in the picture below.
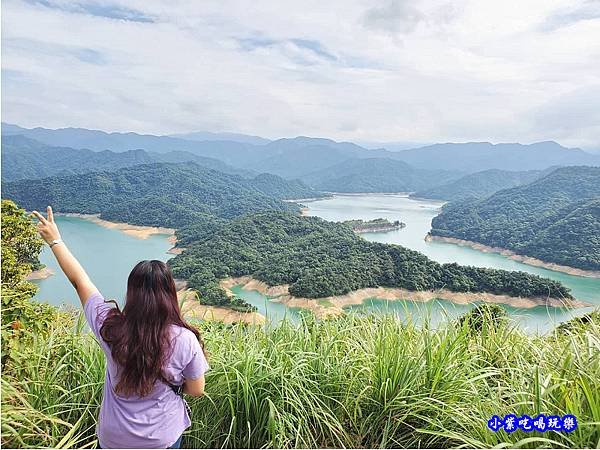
(223, 136)
(96, 140)
(555, 218)
(477, 156)
(25, 158)
(303, 157)
(376, 175)
(480, 184)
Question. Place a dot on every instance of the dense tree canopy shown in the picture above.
(556, 218)
(21, 246)
(278, 187)
(319, 258)
(22, 319)
(156, 194)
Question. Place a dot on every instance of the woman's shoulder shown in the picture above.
(182, 336)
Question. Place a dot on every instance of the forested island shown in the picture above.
(318, 259)
(374, 225)
(555, 219)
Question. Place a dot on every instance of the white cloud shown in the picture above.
(393, 70)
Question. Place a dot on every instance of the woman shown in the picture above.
(151, 353)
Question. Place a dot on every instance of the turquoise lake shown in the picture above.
(109, 254)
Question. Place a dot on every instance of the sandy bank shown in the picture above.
(193, 309)
(516, 257)
(360, 194)
(309, 199)
(41, 274)
(174, 250)
(333, 306)
(137, 231)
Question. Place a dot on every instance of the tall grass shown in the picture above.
(368, 381)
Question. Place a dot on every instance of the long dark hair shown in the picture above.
(138, 336)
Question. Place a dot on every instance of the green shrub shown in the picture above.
(483, 316)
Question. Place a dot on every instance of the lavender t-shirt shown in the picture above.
(154, 421)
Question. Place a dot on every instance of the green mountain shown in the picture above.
(297, 163)
(376, 175)
(278, 187)
(25, 158)
(479, 185)
(477, 156)
(244, 151)
(556, 218)
(163, 194)
(235, 153)
(319, 258)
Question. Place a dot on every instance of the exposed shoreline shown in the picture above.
(193, 309)
(136, 231)
(333, 306)
(309, 199)
(358, 194)
(529, 260)
(174, 250)
(377, 230)
(40, 274)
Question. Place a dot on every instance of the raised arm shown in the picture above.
(67, 262)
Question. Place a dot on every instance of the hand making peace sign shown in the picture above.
(47, 227)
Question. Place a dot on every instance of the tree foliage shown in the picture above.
(555, 219)
(22, 319)
(21, 246)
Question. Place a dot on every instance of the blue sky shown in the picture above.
(369, 70)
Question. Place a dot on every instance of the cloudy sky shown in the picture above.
(376, 70)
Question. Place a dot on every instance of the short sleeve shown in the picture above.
(95, 311)
(198, 364)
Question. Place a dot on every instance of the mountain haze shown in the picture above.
(325, 163)
(233, 137)
(478, 156)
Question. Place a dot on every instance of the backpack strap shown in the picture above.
(178, 389)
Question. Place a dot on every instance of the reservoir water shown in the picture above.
(109, 255)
